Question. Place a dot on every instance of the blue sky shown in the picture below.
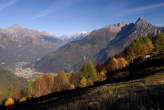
(70, 16)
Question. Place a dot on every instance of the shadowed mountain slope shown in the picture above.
(98, 46)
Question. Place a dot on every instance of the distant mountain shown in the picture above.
(21, 44)
(73, 37)
(73, 55)
(97, 46)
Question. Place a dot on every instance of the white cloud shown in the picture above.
(139, 9)
(56, 6)
(6, 3)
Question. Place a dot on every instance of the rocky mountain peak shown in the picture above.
(98, 46)
(141, 21)
(122, 24)
(115, 27)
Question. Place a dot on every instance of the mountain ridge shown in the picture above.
(22, 44)
(97, 46)
(132, 31)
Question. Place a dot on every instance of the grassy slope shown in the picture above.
(109, 95)
(142, 92)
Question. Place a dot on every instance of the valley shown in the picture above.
(26, 72)
(141, 91)
(97, 46)
(81, 55)
(46, 72)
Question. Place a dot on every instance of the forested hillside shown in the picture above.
(143, 57)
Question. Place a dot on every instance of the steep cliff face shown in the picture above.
(98, 46)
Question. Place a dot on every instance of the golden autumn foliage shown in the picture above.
(112, 65)
(30, 87)
(40, 86)
(63, 76)
(102, 75)
(9, 102)
(23, 99)
(75, 78)
(122, 63)
(2, 93)
(139, 47)
(83, 82)
(72, 86)
(51, 82)
(62, 81)
(90, 82)
(115, 63)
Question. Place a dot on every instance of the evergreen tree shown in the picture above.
(149, 44)
(63, 76)
(89, 71)
(139, 47)
(10, 91)
(158, 42)
(131, 51)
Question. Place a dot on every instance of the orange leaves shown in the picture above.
(40, 86)
(9, 102)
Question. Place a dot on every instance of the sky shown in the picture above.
(70, 16)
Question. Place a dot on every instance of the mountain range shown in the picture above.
(18, 44)
(73, 37)
(22, 44)
(97, 46)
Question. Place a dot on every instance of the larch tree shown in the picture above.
(123, 62)
(63, 76)
(131, 51)
(10, 91)
(62, 81)
(83, 82)
(158, 42)
(30, 88)
(89, 71)
(41, 86)
(51, 82)
(115, 63)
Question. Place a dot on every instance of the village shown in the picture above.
(25, 72)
